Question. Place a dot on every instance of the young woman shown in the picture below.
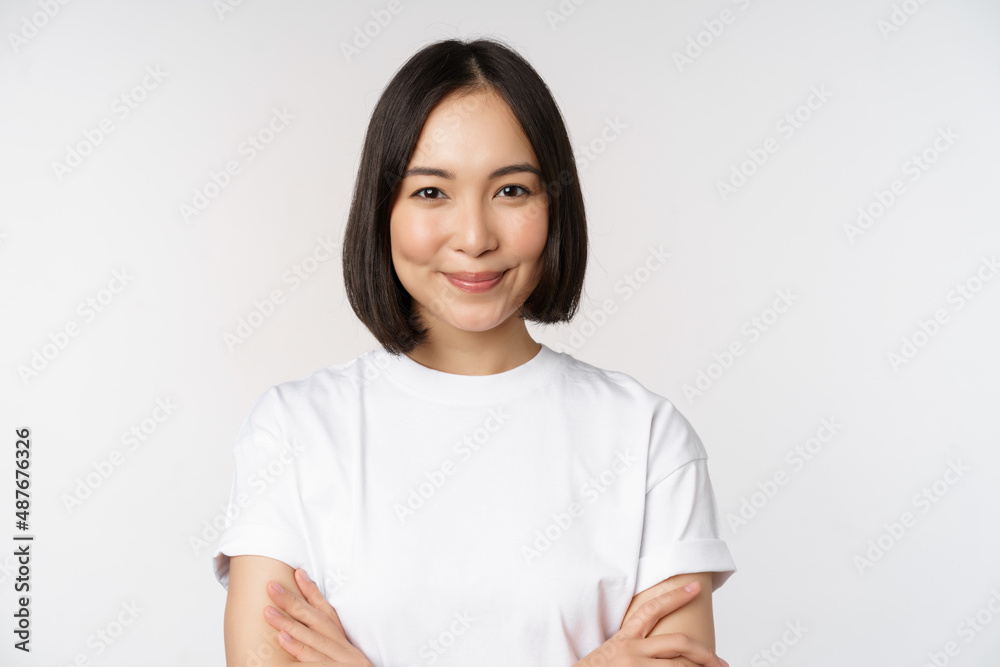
(466, 495)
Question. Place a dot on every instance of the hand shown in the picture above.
(630, 646)
(310, 630)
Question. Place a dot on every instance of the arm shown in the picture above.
(250, 640)
(694, 619)
(634, 643)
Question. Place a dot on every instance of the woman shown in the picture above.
(467, 495)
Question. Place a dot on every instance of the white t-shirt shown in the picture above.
(503, 519)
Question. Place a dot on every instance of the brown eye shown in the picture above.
(510, 191)
(422, 191)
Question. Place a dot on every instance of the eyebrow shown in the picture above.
(496, 173)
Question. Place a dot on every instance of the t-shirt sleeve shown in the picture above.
(680, 530)
(265, 516)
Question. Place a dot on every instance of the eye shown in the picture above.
(508, 191)
(434, 192)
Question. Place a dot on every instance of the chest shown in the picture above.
(456, 524)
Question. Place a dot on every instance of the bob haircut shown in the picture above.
(435, 71)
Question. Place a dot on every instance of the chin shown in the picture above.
(479, 323)
(476, 326)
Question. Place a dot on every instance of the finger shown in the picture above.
(650, 612)
(292, 603)
(311, 626)
(314, 597)
(308, 625)
(287, 629)
(679, 645)
(295, 648)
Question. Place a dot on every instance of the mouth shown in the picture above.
(475, 282)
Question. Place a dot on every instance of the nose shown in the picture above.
(473, 229)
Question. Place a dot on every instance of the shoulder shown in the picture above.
(629, 393)
(614, 385)
(673, 440)
(323, 390)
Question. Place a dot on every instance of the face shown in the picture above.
(469, 220)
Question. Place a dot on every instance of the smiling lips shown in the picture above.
(475, 282)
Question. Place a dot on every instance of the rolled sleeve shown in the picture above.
(265, 512)
(680, 532)
(681, 525)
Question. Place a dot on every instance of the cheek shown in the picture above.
(532, 235)
(411, 236)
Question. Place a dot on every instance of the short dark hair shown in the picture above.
(435, 71)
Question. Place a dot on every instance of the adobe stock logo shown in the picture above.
(437, 646)
(899, 17)
(796, 457)
(787, 126)
(752, 329)
(250, 148)
(700, 42)
(121, 108)
(779, 648)
(104, 637)
(433, 480)
(927, 329)
(588, 153)
(59, 340)
(103, 469)
(923, 500)
(968, 629)
(914, 167)
(265, 308)
(30, 25)
(223, 7)
(381, 18)
(562, 522)
(592, 319)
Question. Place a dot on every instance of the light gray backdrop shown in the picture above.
(821, 178)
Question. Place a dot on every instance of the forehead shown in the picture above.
(474, 130)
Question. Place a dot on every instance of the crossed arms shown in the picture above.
(253, 642)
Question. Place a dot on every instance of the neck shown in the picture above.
(460, 352)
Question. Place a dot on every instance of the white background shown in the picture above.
(892, 77)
